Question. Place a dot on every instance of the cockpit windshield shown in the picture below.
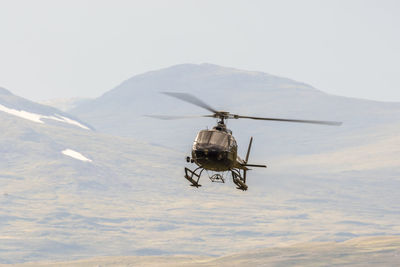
(213, 138)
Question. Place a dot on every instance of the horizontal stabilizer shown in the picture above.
(255, 165)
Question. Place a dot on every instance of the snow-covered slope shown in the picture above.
(35, 112)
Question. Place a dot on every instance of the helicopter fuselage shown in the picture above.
(215, 149)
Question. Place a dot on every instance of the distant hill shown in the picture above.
(28, 110)
(41, 142)
(376, 251)
(120, 111)
(51, 163)
(65, 104)
(68, 192)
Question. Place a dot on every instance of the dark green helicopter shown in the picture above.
(216, 149)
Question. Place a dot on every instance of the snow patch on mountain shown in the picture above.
(76, 155)
(38, 117)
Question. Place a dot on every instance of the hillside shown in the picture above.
(375, 251)
(73, 193)
(50, 197)
(120, 111)
(28, 110)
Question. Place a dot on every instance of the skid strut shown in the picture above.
(238, 180)
(189, 174)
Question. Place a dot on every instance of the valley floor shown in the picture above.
(371, 251)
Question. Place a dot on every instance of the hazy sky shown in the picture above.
(53, 49)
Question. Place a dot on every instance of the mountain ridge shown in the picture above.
(4, 91)
(29, 110)
(120, 110)
(69, 194)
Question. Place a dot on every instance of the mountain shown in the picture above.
(65, 104)
(120, 111)
(58, 178)
(71, 193)
(23, 108)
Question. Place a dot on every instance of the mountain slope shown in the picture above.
(120, 111)
(375, 251)
(65, 104)
(129, 198)
(51, 196)
(28, 110)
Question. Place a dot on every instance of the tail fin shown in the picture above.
(248, 150)
(247, 158)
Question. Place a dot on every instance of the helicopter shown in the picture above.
(216, 149)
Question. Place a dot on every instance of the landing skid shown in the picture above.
(189, 174)
(239, 180)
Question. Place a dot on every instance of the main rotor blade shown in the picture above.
(166, 117)
(191, 99)
(333, 123)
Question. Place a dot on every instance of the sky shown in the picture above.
(81, 48)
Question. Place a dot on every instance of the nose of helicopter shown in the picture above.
(212, 158)
(209, 153)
